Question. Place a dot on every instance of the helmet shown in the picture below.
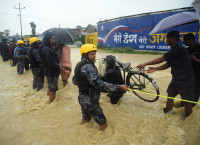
(20, 42)
(87, 48)
(110, 60)
(34, 39)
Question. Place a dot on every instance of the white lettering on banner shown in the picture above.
(163, 47)
(102, 28)
(143, 40)
(126, 38)
(133, 38)
(150, 47)
(117, 38)
(141, 46)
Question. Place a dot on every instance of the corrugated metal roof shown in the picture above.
(145, 14)
(95, 26)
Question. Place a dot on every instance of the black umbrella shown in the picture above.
(61, 35)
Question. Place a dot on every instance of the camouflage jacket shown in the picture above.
(20, 53)
(97, 85)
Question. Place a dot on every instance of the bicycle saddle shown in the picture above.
(124, 65)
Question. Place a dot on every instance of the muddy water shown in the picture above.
(27, 118)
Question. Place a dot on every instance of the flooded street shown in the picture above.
(27, 118)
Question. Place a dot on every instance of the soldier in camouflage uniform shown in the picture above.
(21, 54)
(90, 85)
(34, 60)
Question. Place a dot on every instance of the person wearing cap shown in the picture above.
(34, 60)
(113, 75)
(90, 85)
(21, 54)
(27, 47)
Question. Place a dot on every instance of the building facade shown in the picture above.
(134, 31)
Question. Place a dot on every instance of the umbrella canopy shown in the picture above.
(61, 35)
(174, 20)
(196, 5)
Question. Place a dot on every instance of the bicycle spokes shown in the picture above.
(144, 86)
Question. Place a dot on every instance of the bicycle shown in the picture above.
(137, 79)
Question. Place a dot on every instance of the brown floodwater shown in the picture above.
(27, 118)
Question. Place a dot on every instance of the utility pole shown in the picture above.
(20, 17)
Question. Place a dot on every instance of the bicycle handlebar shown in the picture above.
(133, 68)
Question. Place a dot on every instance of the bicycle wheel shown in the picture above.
(143, 86)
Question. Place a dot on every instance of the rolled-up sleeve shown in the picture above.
(167, 57)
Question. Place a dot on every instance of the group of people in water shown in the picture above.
(48, 59)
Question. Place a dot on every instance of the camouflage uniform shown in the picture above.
(52, 83)
(26, 61)
(38, 78)
(20, 67)
(20, 54)
(89, 102)
(37, 70)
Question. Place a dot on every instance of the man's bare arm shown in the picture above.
(153, 69)
(151, 62)
(194, 58)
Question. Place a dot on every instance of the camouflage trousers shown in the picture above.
(52, 83)
(20, 67)
(14, 59)
(38, 78)
(26, 64)
(92, 110)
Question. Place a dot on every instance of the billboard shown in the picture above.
(133, 31)
(91, 38)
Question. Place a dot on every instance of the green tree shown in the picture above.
(17, 36)
(33, 26)
(80, 28)
(2, 35)
(7, 32)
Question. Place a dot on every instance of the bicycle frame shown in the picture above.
(131, 69)
(137, 79)
(128, 70)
